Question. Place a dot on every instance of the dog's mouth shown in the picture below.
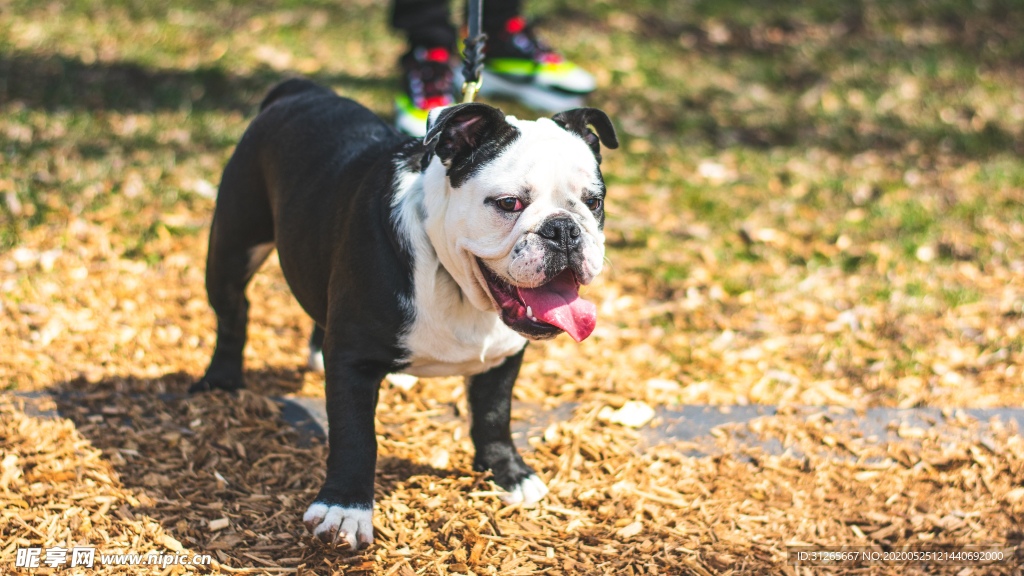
(546, 310)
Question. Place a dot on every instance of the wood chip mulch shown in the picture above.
(223, 475)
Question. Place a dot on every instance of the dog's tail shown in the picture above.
(287, 88)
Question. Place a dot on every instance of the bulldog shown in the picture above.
(438, 256)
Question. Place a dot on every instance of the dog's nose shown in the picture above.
(562, 231)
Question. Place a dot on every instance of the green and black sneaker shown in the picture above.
(428, 83)
(518, 65)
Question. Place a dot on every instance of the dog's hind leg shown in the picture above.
(241, 239)
(490, 400)
(316, 349)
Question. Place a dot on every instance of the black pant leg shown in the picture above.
(426, 23)
(498, 12)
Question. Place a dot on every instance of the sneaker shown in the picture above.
(428, 83)
(515, 54)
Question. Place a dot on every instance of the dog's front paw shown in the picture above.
(528, 491)
(511, 473)
(334, 524)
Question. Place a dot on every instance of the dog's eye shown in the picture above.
(593, 204)
(510, 204)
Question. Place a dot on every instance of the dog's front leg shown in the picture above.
(343, 510)
(490, 398)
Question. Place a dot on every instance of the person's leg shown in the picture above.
(426, 23)
(497, 13)
(427, 78)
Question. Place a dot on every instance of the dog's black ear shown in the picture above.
(578, 121)
(456, 131)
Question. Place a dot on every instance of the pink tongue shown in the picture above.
(558, 303)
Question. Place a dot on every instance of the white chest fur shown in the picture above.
(448, 335)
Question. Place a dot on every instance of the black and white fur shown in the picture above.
(383, 239)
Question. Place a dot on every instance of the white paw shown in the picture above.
(403, 381)
(316, 360)
(338, 524)
(527, 492)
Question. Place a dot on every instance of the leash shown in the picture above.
(473, 54)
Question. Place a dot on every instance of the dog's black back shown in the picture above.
(305, 179)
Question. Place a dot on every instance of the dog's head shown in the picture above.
(515, 211)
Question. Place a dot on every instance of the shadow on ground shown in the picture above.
(122, 410)
(56, 82)
(215, 455)
(269, 381)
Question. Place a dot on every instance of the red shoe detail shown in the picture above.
(437, 55)
(433, 102)
(551, 58)
(515, 25)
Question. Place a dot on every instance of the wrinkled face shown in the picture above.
(523, 218)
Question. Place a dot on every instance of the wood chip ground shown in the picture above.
(126, 471)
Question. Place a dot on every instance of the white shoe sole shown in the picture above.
(530, 94)
(410, 124)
